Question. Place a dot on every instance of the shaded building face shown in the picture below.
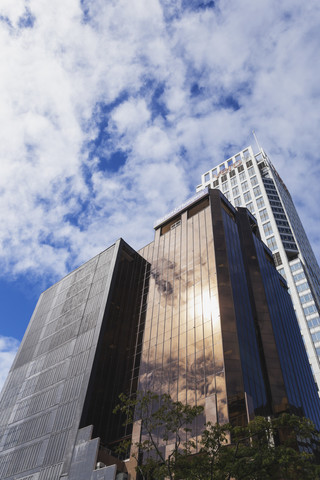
(211, 331)
(74, 361)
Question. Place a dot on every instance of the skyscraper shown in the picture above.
(200, 313)
(74, 361)
(250, 180)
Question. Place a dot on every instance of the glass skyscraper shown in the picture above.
(200, 313)
(250, 180)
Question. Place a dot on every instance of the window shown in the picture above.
(316, 337)
(247, 197)
(254, 181)
(241, 168)
(242, 176)
(272, 244)
(249, 163)
(232, 173)
(251, 171)
(215, 184)
(304, 286)
(306, 298)
(298, 276)
(237, 158)
(250, 207)
(260, 203)
(309, 310)
(244, 186)
(224, 178)
(237, 201)
(289, 246)
(267, 229)
(227, 195)
(235, 191)
(221, 167)
(281, 270)
(257, 191)
(207, 177)
(264, 215)
(214, 172)
(233, 181)
(224, 187)
(230, 162)
(314, 322)
(278, 261)
(295, 266)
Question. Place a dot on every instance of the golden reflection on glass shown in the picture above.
(183, 316)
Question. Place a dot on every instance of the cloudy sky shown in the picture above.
(110, 110)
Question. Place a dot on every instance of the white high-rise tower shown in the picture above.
(250, 180)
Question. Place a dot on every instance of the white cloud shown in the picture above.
(157, 82)
(8, 349)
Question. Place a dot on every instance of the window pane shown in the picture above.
(271, 242)
(267, 229)
(247, 197)
(257, 191)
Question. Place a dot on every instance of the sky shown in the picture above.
(110, 111)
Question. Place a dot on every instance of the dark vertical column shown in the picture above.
(231, 351)
(265, 336)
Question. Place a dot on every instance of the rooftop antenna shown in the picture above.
(254, 136)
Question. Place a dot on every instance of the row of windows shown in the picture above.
(288, 238)
(285, 230)
(283, 223)
(275, 203)
(309, 310)
(273, 197)
(290, 245)
(298, 276)
(306, 298)
(316, 337)
(280, 216)
(278, 210)
(314, 322)
(295, 267)
(224, 167)
(304, 286)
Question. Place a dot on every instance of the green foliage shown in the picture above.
(264, 449)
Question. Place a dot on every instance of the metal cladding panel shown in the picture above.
(42, 400)
(84, 459)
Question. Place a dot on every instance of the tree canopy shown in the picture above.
(266, 448)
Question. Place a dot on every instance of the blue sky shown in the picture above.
(110, 110)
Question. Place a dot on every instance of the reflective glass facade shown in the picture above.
(213, 328)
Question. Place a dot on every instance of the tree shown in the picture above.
(264, 449)
(163, 422)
